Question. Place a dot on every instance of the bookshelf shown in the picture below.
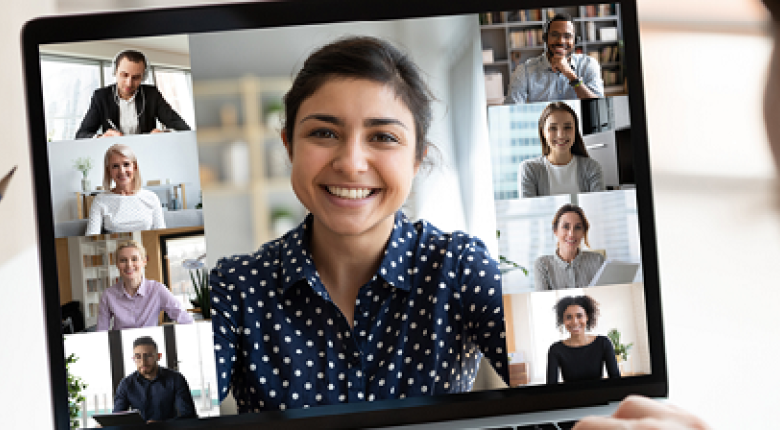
(93, 269)
(245, 172)
(516, 36)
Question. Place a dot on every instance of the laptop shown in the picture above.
(213, 165)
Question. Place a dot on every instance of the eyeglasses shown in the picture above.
(564, 36)
(139, 357)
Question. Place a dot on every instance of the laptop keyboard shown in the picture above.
(560, 425)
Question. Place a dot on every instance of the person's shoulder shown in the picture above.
(557, 346)
(106, 91)
(588, 162)
(534, 61)
(533, 162)
(147, 195)
(543, 260)
(590, 255)
(264, 259)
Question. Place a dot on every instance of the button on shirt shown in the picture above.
(535, 80)
(142, 309)
(553, 273)
(421, 324)
(163, 398)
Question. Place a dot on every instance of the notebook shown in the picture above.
(193, 129)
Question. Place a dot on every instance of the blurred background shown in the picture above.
(704, 64)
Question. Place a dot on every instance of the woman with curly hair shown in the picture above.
(582, 356)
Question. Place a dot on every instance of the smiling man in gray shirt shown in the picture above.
(557, 74)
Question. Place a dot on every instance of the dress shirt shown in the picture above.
(535, 80)
(128, 115)
(552, 273)
(142, 309)
(163, 398)
(421, 324)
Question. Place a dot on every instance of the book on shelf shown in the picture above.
(526, 39)
(610, 77)
(489, 18)
(600, 10)
(590, 28)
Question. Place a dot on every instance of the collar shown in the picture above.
(396, 267)
(131, 99)
(142, 289)
(160, 375)
(559, 261)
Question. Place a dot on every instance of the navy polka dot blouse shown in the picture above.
(421, 324)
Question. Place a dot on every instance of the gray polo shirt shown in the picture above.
(535, 80)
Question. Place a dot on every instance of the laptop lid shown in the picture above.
(219, 186)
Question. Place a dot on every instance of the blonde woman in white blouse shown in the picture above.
(125, 207)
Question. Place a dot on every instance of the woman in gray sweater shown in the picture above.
(564, 167)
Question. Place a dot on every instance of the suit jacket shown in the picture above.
(149, 103)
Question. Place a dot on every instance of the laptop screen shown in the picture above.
(347, 213)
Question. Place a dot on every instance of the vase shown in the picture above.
(86, 185)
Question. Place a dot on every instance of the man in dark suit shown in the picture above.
(128, 107)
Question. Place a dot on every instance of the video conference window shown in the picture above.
(548, 54)
(249, 202)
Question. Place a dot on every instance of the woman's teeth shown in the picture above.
(350, 193)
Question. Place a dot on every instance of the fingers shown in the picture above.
(641, 413)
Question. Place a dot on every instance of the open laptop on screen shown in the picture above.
(157, 149)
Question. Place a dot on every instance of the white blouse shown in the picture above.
(116, 213)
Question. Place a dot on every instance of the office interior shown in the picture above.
(237, 96)
(605, 125)
(86, 267)
(526, 231)
(531, 328)
(72, 71)
(104, 358)
(167, 163)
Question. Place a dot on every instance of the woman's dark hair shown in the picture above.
(363, 58)
(579, 145)
(568, 207)
(587, 303)
(774, 8)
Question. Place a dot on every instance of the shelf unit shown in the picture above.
(93, 269)
(243, 160)
(501, 32)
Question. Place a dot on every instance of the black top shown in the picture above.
(149, 103)
(581, 363)
(163, 398)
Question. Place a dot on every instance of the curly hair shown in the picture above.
(587, 303)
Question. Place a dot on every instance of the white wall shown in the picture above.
(161, 156)
(621, 306)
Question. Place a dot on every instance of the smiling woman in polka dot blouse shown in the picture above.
(358, 303)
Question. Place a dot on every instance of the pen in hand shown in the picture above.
(5, 181)
(113, 131)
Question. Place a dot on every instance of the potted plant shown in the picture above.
(200, 283)
(75, 397)
(621, 350)
(83, 165)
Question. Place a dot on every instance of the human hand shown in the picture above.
(112, 133)
(156, 130)
(641, 413)
(559, 63)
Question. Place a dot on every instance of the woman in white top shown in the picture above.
(125, 207)
(565, 166)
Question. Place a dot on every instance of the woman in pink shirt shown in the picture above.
(135, 301)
